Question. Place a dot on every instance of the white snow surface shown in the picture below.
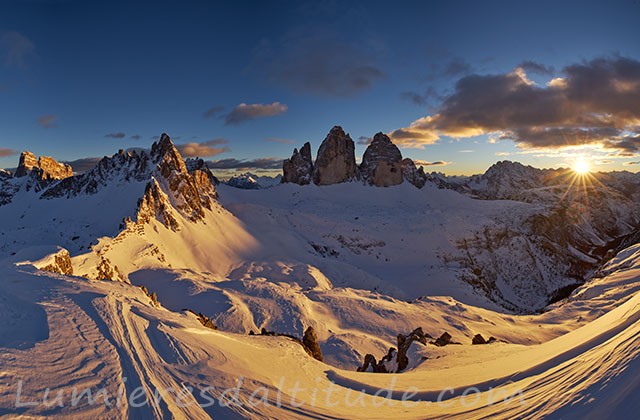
(63, 333)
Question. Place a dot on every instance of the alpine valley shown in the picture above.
(343, 289)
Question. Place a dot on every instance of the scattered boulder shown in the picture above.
(413, 175)
(298, 169)
(479, 339)
(444, 340)
(336, 161)
(381, 164)
(310, 343)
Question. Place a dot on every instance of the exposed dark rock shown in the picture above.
(413, 175)
(404, 342)
(198, 164)
(370, 362)
(61, 264)
(336, 160)
(381, 164)
(444, 340)
(400, 355)
(298, 169)
(310, 342)
(478, 339)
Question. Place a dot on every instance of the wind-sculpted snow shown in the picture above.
(68, 343)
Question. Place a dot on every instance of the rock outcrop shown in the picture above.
(336, 161)
(413, 175)
(444, 340)
(298, 169)
(479, 339)
(198, 164)
(44, 168)
(381, 164)
(395, 360)
(404, 342)
(310, 343)
(60, 263)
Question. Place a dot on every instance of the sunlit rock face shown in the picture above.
(189, 192)
(381, 164)
(43, 168)
(413, 175)
(298, 169)
(336, 161)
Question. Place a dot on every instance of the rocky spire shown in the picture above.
(190, 192)
(336, 160)
(381, 163)
(44, 168)
(413, 175)
(298, 169)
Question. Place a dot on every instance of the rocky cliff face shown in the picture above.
(44, 167)
(565, 236)
(190, 193)
(413, 175)
(381, 164)
(198, 164)
(298, 169)
(336, 161)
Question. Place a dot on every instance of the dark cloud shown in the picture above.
(279, 140)
(538, 68)
(213, 111)
(421, 99)
(47, 121)
(260, 163)
(208, 148)
(416, 98)
(457, 67)
(16, 48)
(7, 152)
(631, 163)
(427, 163)
(626, 146)
(136, 137)
(593, 103)
(118, 135)
(317, 63)
(245, 112)
(83, 164)
(364, 140)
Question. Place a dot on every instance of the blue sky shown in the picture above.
(82, 79)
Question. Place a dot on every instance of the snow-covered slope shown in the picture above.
(109, 339)
(359, 264)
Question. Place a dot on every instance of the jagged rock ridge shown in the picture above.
(382, 164)
(298, 169)
(44, 167)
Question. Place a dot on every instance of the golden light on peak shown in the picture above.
(581, 166)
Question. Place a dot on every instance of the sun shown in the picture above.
(581, 167)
